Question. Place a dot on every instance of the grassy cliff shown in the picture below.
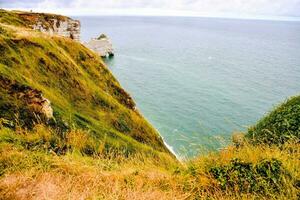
(27, 19)
(31, 167)
(82, 91)
(98, 146)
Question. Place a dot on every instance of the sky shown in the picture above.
(209, 8)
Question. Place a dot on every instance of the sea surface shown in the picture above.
(198, 80)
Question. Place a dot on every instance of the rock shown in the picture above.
(64, 27)
(101, 45)
(43, 106)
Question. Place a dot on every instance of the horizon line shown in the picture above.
(159, 14)
(269, 18)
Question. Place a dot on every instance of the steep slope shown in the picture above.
(69, 131)
(82, 91)
(30, 170)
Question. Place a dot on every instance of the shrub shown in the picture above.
(265, 177)
(278, 126)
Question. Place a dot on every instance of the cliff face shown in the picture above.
(38, 68)
(46, 23)
(67, 28)
(101, 45)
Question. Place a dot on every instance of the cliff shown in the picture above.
(63, 27)
(46, 23)
(68, 130)
(44, 72)
(101, 45)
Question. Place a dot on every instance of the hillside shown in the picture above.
(279, 126)
(69, 131)
(30, 169)
(82, 91)
(28, 19)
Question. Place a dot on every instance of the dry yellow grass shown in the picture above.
(74, 176)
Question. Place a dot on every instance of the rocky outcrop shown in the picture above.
(52, 24)
(101, 45)
(28, 100)
(67, 28)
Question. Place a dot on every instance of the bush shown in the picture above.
(264, 177)
(279, 126)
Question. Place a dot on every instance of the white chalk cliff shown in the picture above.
(101, 45)
(66, 27)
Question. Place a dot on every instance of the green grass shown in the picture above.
(27, 19)
(279, 126)
(83, 92)
(99, 147)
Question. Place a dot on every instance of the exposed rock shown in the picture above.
(30, 98)
(59, 26)
(101, 45)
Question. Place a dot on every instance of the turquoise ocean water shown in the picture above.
(197, 80)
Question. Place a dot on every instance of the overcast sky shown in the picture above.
(229, 8)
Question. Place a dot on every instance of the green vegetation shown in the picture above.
(279, 126)
(264, 177)
(98, 146)
(27, 19)
(102, 36)
(82, 91)
(41, 164)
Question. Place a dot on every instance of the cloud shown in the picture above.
(164, 7)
